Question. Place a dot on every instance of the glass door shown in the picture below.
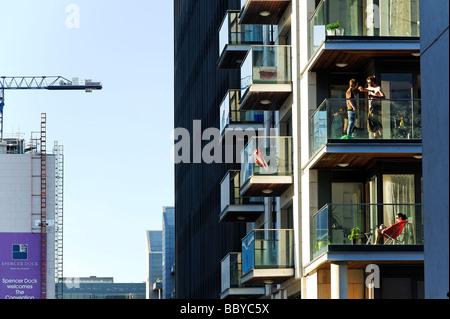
(399, 197)
(346, 210)
(373, 208)
(399, 112)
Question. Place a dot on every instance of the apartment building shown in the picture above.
(201, 241)
(434, 64)
(312, 194)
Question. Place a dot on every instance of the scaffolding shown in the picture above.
(44, 217)
(43, 223)
(58, 151)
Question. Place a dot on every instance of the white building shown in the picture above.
(30, 184)
(326, 190)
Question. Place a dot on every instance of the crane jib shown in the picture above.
(74, 87)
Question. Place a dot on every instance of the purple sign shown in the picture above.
(20, 266)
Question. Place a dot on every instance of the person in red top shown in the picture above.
(393, 230)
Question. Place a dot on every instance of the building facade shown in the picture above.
(434, 43)
(154, 264)
(325, 164)
(201, 242)
(30, 195)
(168, 253)
(94, 287)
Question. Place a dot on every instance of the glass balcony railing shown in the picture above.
(267, 156)
(230, 114)
(231, 267)
(233, 33)
(268, 64)
(230, 187)
(333, 224)
(268, 249)
(383, 18)
(396, 120)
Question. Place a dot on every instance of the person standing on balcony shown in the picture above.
(351, 107)
(375, 94)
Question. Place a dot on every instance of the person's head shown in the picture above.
(371, 80)
(400, 217)
(352, 83)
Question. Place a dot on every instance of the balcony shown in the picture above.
(231, 269)
(400, 139)
(235, 208)
(157, 285)
(266, 78)
(266, 166)
(235, 40)
(236, 125)
(263, 11)
(267, 256)
(332, 225)
(366, 30)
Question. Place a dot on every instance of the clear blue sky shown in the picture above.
(118, 170)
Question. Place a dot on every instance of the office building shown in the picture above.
(154, 264)
(31, 211)
(168, 253)
(327, 169)
(94, 287)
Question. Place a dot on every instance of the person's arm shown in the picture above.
(361, 89)
(380, 93)
(390, 227)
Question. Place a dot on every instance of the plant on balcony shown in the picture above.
(335, 29)
(333, 26)
(355, 234)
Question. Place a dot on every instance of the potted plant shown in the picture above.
(331, 28)
(354, 235)
(335, 29)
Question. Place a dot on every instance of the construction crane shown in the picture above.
(40, 83)
(45, 83)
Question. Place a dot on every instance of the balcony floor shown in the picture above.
(266, 276)
(357, 52)
(243, 292)
(256, 185)
(370, 254)
(250, 14)
(277, 94)
(232, 57)
(241, 213)
(360, 153)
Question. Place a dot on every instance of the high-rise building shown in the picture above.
(154, 264)
(329, 183)
(435, 78)
(168, 253)
(201, 242)
(31, 195)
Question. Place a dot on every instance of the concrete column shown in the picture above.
(339, 280)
